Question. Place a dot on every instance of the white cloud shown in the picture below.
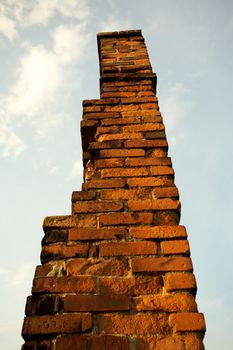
(34, 99)
(18, 276)
(7, 25)
(114, 23)
(76, 170)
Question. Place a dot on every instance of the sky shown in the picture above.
(49, 64)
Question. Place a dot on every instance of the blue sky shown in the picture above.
(49, 64)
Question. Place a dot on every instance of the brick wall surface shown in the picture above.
(117, 273)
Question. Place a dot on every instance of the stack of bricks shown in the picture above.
(116, 273)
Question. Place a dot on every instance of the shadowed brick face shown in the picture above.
(116, 273)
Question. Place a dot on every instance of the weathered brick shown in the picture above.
(124, 172)
(79, 284)
(133, 324)
(97, 207)
(109, 163)
(125, 219)
(158, 232)
(122, 153)
(68, 221)
(105, 145)
(121, 194)
(56, 324)
(163, 192)
(93, 342)
(145, 143)
(120, 136)
(166, 303)
(143, 161)
(60, 251)
(110, 267)
(55, 236)
(38, 345)
(167, 217)
(161, 170)
(127, 248)
(121, 121)
(107, 129)
(143, 127)
(43, 271)
(161, 343)
(162, 264)
(101, 115)
(104, 183)
(42, 305)
(175, 247)
(92, 234)
(179, 281)
(150, 181)
(190, 321)
(155, 204)
(90, 303)
(83, 196)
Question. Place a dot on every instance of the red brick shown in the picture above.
(101, 115)
(92, 342)
(179, 281)
(83, 196)
(143, 127)
(190, 321)
(43, 271)
(110, 267)
(124, 172)
(175, 247)
(127, 248)
(122, 153)
(97, 207)
(106, 145)
(156, 204)
(121, 121)
(163, 192)
(79, 284)
(137, 285)
(92, 234)
(133, 324)
(120, 136)
(56, 324)
(86, 303)
(109, 163)
(69, 221)
(145, 143)
(150, 181)
(122, 194)
(166, 303)
(158, 232)
(143, 161)
(161, 170)
(60, 251)
(162, 264)
(104, 183)
(125, 219)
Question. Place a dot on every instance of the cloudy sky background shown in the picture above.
(49, 64)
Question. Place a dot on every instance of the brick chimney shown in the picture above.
(116, 273)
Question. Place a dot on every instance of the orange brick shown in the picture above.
(190, 321)
(133, 324)
(86, 303)
(175, 247)
(106, 144)
(143, 127)
(163, 192)
(60, 251)
(92, 342)
(158, 232)
(156, 204)
(107, 129)
(122, 153)
(120, 136)
(124, 172)
(127, 248)
(101, 115)
(162, 264)
(125, 194)
(104, 183)
(96, 207)
(79, 284)
(110, 267)
(56, 324)
(125, 219)
(121, 121)
(145, 143)
(92, 234)
(83, 196)
(143, 161)
(166, 303)
(161, 170)
(109, 163)
(150, 181)
(179, 281)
